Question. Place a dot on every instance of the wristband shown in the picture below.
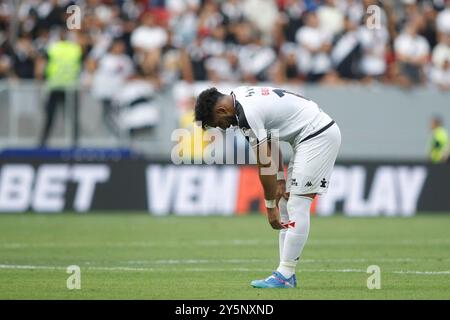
(270, 204)
(280, 175)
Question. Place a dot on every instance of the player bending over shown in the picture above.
(266, 114)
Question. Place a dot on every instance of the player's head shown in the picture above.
(214, 109)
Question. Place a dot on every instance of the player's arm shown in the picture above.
(267, 169)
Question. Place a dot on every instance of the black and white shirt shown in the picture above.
(265, 112)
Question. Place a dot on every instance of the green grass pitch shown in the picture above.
(137, 256)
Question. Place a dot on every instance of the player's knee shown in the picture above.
(298, 208)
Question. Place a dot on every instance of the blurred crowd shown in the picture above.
(405, 42)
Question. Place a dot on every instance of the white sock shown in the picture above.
(298, 208)
(284, 216)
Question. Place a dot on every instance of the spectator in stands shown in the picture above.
(210, 18)
(346, 53)
(147, 41)
(440, 71)
(443, 19)
(428, 29)
(409, 10)
(313, 51)
(184, 22)
(5, 65)
(331, 19)
(210, 34)
(287, 70)
(439, 146)
(262, 14)
(353, 10)
(440, 75)
(23, 58)
(232, 11)
(374, 43)
(224, 67)
(37, 15)
(288, 22)
(412, 52)
(174, 65)
(255, 59)
(5, 49)
(136, 110)
(197, 55)
(177, 7)
(214, 41)
(114, 68)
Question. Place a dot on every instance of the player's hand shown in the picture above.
(274, 219)
(281, 191)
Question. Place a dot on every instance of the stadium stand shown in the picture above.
(251, 40)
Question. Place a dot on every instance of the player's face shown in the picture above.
(224, 114)
(226, 121)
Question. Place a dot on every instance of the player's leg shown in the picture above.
(284, 217)
(289, 239)
(292, 242)
(296, 236)
(282, 206)
(313, 164)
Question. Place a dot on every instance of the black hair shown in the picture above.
(204, 106)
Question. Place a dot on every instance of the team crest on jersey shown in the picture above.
(265, 91)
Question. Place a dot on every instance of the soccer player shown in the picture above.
(267, 115)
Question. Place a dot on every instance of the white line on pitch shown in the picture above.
(241, 261)
(33, 267)
(213, 243)
(421, 272)
(237, 261)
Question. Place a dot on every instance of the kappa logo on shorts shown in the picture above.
(308, 184)
(323, 183)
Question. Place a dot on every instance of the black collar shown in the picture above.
(236, 106)
(240, 114)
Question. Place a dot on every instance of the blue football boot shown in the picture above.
(276, 280)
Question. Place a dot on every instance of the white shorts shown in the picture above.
(313, 160)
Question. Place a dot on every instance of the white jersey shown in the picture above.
(265, 112)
